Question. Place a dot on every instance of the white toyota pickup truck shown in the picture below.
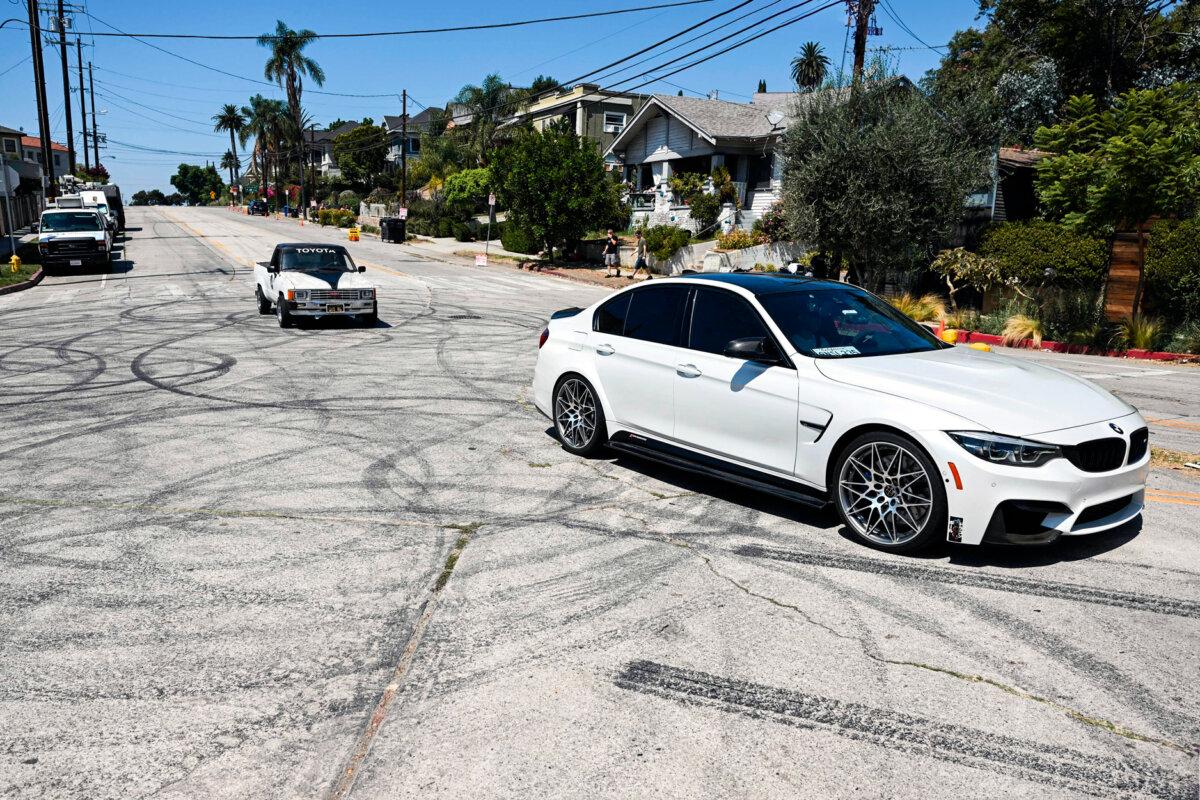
(312, 281)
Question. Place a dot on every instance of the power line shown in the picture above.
(887, 9)
(14, 66)
(411, 32)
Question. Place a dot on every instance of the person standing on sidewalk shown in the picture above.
(612, 255)
(639, 257)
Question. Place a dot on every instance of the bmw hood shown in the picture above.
(325, 279)
(1000, 393)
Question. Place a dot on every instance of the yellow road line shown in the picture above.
(1162, 493)
(1173, 502)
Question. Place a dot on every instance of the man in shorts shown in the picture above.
(612, 255)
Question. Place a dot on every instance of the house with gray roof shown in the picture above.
(672, 135)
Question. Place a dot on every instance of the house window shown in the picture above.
(614, 121)
(57, 160)
(414, 147)
(10, 146)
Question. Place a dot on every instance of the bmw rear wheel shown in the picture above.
(578, 416)
(889, 493)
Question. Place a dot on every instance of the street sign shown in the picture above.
(481, 260)
(491, 199)
(212, 195)
(312, 203)
(233, 190)
(402, 214)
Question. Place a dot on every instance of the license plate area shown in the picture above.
(76, 262)
(335, 308)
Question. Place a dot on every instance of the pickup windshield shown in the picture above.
(316, 259)
(836, 322)
(69, 221)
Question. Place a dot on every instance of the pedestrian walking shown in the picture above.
(612, 255)
(639, 257)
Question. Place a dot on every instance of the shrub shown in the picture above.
(445, 227)
(736, 239)
(688, 184)
(348, 199)
(1072, 316)
(369, 229)
(516, 240)
(1038, 253)
(1186, 338)
(1020, 327)
(1173, 269)
(963, 319)
(772, 225)
(926, 308)
(468, 188)
(705, 208)
(462, 232)
(1141, 333)
(664, 241)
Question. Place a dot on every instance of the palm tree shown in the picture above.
(230, 118)
(265, 121)
(809, 68)
(288, 65)
(488, 104)
(229, 161)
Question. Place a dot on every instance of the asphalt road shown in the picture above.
(241, 562)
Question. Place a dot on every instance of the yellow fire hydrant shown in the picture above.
(15, 263)
(352, 234)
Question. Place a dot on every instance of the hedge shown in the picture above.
(1026, 250)
(1173, 270)
(342, 218)
(515, 240)
(664, 241)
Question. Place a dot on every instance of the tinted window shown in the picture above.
(836, 322)
(610, 317)
(654, 313)
(719, 317)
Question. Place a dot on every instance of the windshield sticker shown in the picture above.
(849, 311)
(835, 351)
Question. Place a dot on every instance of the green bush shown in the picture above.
(349, 200)
(736, 239)
(445, 227)
(1039, 253)
(1173, 270)
(496, 231)
(515, 240)
(772, 225)
(664, 241)
(705, 208)
(462, 232)
(1073, 316)
(1186, 338)
(339, 217)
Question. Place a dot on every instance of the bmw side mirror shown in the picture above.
(362, 269)
(752, 348)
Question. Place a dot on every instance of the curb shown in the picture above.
(969, 337)
(29, 284)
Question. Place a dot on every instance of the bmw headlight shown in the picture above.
(302, 295)
(1006, 449)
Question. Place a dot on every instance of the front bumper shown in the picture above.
(92, 258)
(1037, 505)
(322, 308)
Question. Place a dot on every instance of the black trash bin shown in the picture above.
(385, 229)
(392, 229)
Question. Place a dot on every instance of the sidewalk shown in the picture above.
(452, 250)
(20, 238)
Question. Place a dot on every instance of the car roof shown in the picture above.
(758, 283)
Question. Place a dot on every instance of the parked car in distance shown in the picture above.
(258, 208)
(821, 392)
(94, 198)
(313, 280)
(73, 237)
(115, 205)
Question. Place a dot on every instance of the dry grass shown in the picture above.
(1142, 333)
(1173, 459)
(926, 308)
(1020, 327)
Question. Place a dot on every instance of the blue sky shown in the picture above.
(182, 97)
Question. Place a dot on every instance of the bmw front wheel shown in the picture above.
(578, 417)
(889, 493)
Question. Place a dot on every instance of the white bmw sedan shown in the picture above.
(821, 392)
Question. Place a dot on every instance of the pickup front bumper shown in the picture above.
(328, 308)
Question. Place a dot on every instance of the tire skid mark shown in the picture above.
(1137, 601)
(1045, 764)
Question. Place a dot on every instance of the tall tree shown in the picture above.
(230, 118)
(361, 154)
(810, 66)
(229, 161)
(288, 65)
(879, 183)
(266, 120)
(487, 104)
(197, 184)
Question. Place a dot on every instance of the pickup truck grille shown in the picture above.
(340, 294)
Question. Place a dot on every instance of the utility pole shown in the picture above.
(82, 100)
(403, 148)
(862, 23)
(95, 127)
(62, 53)
(39, 81)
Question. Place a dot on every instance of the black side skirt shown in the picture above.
(712, 467)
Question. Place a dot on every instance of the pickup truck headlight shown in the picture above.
(301, 295)
(366, 294)
(1007, 450)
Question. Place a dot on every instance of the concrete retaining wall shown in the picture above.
(778, 253)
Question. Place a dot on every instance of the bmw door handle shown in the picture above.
(688, 370)
(604, 350)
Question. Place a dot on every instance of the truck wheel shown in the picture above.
(371, 319)
(281, 313)
(264, 305)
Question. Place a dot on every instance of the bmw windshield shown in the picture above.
(316, 259)
(827, 321)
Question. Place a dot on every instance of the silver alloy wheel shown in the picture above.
(885, 493)
(575, 413)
